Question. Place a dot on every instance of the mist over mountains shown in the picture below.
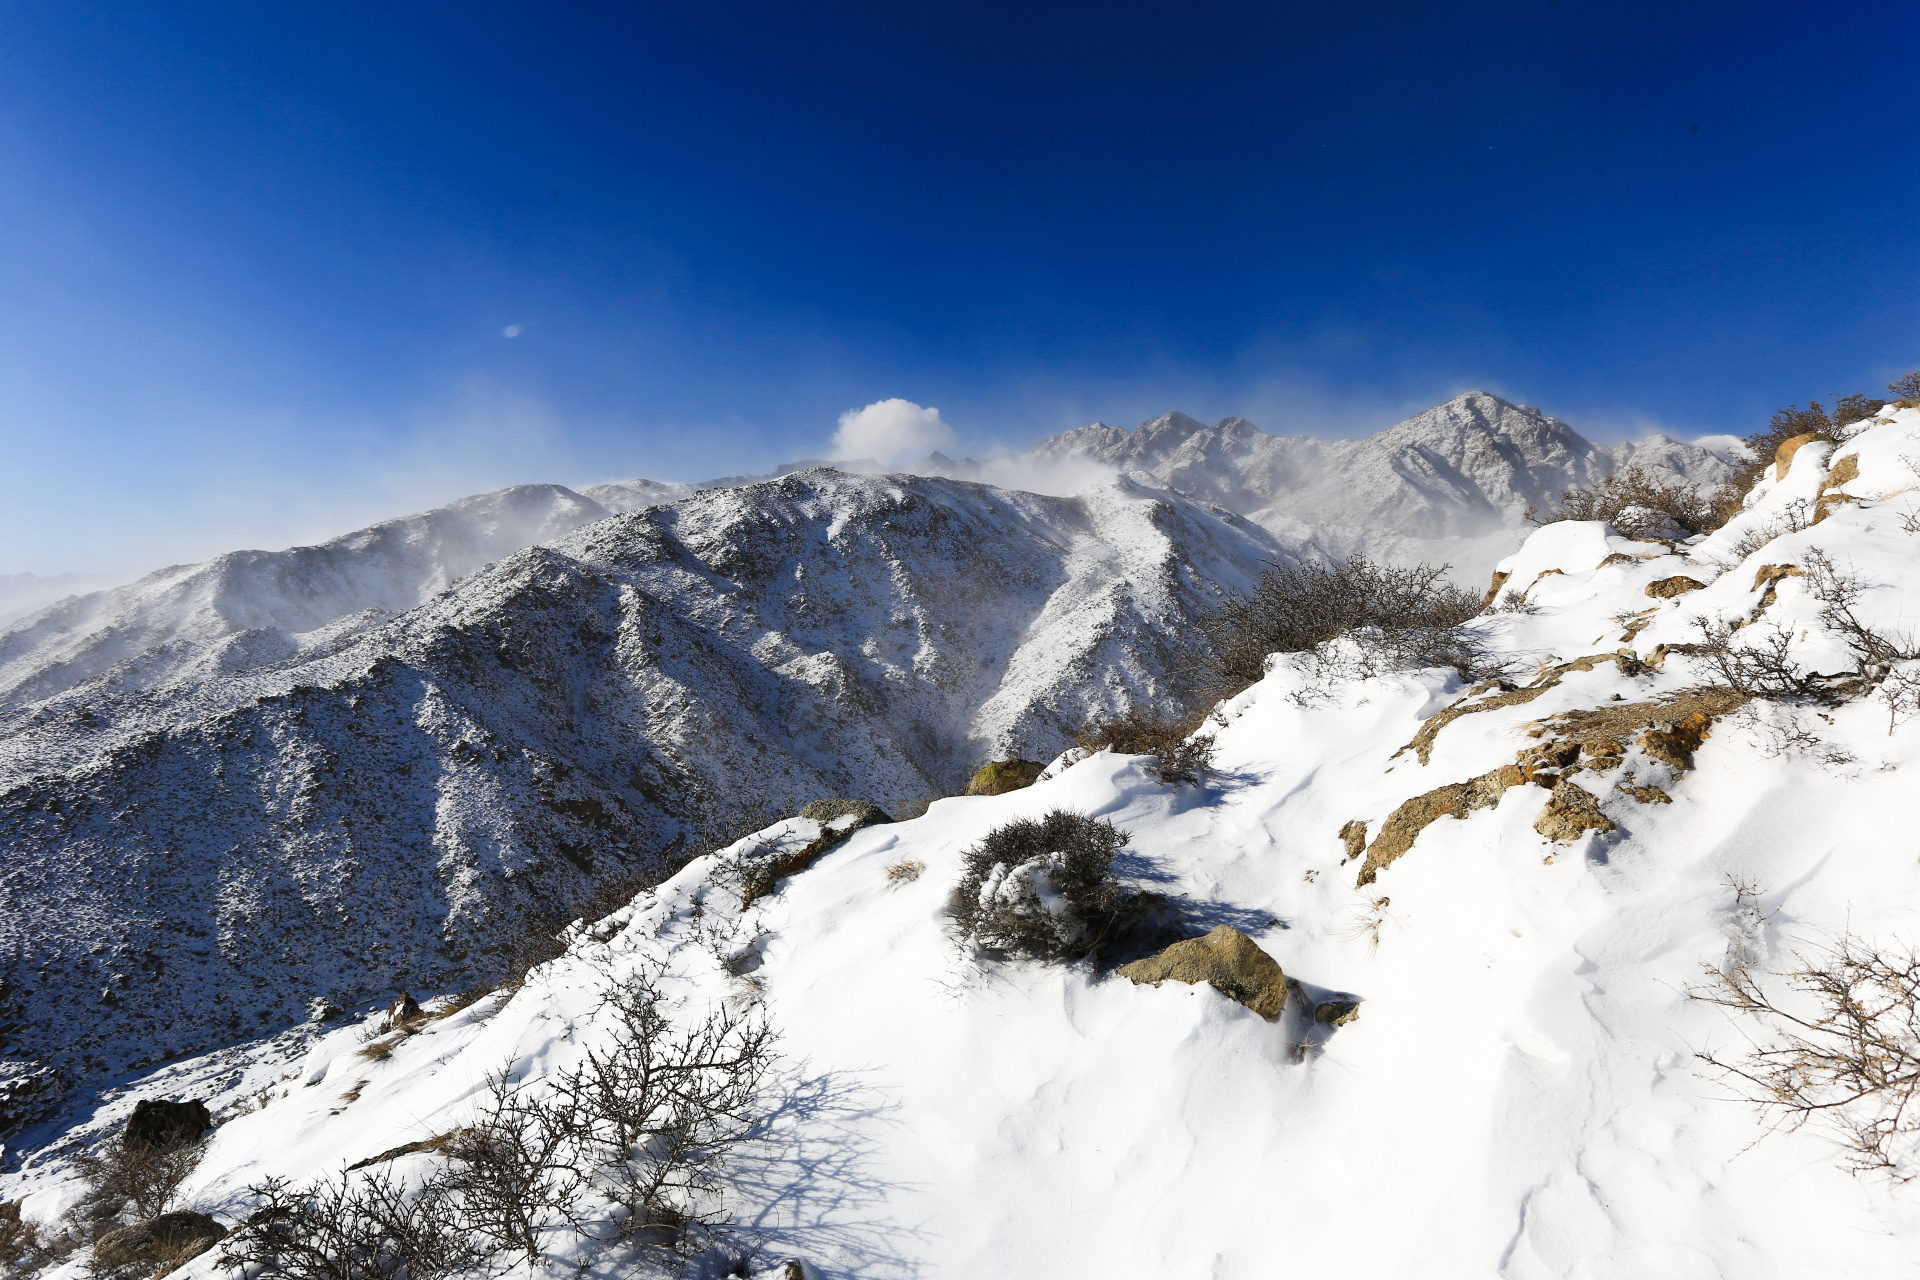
(233, 789)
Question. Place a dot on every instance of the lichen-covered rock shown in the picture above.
(1570, 812)
(1000, 776)
(1455, 800)
(1228, 961)
(1336, 1013)
(1354, 837)
(1678, 585)
(1673, 742)
(176, 1236)
(1783, 456)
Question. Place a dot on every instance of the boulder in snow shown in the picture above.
(1678, 585)
(1228, 961)
(170, 1238)
(997, 777)
(1571, 811)
(159, 1123)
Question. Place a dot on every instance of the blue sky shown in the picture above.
(259, 262)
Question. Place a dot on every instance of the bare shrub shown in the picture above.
(1759, 663)
(1906, 388)
(25, 1248)
(1637, 503)
(145, 1177)
(517, 1174)
(1838, 1043)
(905, 872)
(1045, 888)
(365, 1228)
(1179, 757)
(1412, 615)
(657, 1112)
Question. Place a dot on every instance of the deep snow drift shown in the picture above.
(1518, 1096)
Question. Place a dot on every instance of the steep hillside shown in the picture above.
(1549, 865)
(196, 854)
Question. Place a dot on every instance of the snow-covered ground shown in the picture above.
(1519, 1095)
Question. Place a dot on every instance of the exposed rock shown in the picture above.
(1678, 585)
(1843, 473)
(1771, 576)
(1228, 961)
(157, 1123)
(1646, 794)
(1783, 456)
(826, 812)
(171, 1236)
(404, 1010)
(1456, 800)
(1493, 592)
(451, 1139)
(1421, 744)
(1570, 811)
(1354, 837)
(838, 818)
(1000, 776)
(1336, 1013)
(1674, 741)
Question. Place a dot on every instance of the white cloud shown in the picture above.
(891, 431)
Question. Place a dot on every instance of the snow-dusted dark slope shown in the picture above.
(192, 857)
(251, 604)
(1452, 484)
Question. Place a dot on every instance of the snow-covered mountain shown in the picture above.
(198, 850)
(247, 607)
(1548, 867)
(1452, 484)
(22, 593)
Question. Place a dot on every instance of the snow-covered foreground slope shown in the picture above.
(1519, 1095)
(1450, 485)
(194, 860)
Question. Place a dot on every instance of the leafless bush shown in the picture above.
(1838, 1043)
(1906, 388)
(145, 1177)
(657, 1113)
(369, 1227)
(905, 872)
(518, 1173)
(25, 1248)
(1179, 757)
(1637, 503)
(1413, 616)
(1045, 888)
(1759, 663)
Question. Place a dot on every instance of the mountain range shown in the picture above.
(234, 790)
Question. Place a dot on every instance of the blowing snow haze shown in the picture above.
(853, 642)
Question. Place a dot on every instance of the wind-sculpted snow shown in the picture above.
(195, 853)
(1519, 1095)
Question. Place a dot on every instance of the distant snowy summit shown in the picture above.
(1451, 485)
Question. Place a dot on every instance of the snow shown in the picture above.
(1519, 1096)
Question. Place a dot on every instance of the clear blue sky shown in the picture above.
(259, 260)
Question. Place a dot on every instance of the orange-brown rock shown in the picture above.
(1571, 811)
(1455, 800)
(1678, 585)
(1783, 456)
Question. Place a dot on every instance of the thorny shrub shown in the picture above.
(1179, 756)
(1762, 666)
(1400, 615)
(1837, 1043)
(642, 1129)
(1045, 888)
(1637, 503)
(144, 1177)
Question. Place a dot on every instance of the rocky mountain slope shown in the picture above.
(196, 853)
(1518, 883)
(1452, 484)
